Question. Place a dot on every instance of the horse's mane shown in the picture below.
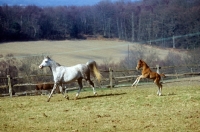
(53, 61)
(58, 64)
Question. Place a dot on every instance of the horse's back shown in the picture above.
(72, 73)
(90, 62)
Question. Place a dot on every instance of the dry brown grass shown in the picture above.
(73, 52)
(117, 110)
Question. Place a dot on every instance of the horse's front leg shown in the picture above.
(54, 87)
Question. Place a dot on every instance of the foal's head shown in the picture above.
(139, 64)
(45, 62)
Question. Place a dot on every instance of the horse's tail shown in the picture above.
(94, 69)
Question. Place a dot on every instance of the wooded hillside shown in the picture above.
(166, 23)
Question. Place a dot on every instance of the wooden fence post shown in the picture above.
(191, 70)
(176, 74)
(157, 67)
(174, 45)
(9, 85)
(111, 76)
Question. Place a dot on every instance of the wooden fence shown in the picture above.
(111, 77)
(168, 76)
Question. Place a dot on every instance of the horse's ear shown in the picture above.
(47, 57)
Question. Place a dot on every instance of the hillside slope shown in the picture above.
(73, 52)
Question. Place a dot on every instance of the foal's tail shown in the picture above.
(162, 75)
(94, 69)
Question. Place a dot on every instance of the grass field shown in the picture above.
(80, 51)
(122, 109)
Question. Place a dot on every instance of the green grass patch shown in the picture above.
(120, 109)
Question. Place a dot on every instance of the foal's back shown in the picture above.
(151, 74)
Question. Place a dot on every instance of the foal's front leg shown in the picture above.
(137, 81)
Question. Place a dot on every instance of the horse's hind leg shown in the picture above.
(63, 92)
(92, 85)
(90, 82)
(80, 87)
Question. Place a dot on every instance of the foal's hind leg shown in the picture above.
(160, 88)
(159, 93)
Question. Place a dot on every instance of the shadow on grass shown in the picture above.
(168, 94)
(102, 95)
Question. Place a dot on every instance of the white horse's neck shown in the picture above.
(53, 66)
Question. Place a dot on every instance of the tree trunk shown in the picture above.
(133, 30)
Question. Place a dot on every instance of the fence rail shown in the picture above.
(110, 81)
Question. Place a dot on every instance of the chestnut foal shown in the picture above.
(147, 73)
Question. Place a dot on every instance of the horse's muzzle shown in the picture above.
(137, 68)
(40, 66)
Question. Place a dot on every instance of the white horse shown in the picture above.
(78, 72)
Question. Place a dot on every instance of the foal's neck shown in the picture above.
(145, 66)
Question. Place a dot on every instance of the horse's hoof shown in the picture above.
(75, 98)
(159, 94)
(67, 98)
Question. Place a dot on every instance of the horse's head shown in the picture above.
(45, 62)
(139, 64)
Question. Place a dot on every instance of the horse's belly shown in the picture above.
(71, 78)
